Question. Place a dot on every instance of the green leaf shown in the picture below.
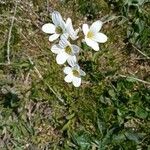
(141, 113)
(70, 116)
(112, 93)
(132, 136)
(83, 141)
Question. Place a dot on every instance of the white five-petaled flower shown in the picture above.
(65, 51)
(73, 74)
(73, 34)
(57, 29)
(93, 36)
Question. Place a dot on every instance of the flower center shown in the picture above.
(90, 34)
(68, 50)
(76, 73)
(58, 30)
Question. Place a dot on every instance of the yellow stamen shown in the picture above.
(68, 50)
(90, 34)
(76, 73)
(59, 30)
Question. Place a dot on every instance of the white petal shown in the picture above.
(72, 60)
(63, 26)
(76, 49)
(65, 35)
(48, 28)
(56, 49)
(77, 31)
(63, 41)
(82, 73)
(61, 58)
(67, 70)
(100, 37)
(72, 33)
(68, 78)
(76, 67)
(92, 44)
(96, 26)
(68, 22)
(53, 37)
(76, 81)
(85, 29)
(75, 36)
(57, 19)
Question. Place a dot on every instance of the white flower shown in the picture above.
(73, 34)
(73, 74)
(56, 29)
(93, 36)
(65, 51)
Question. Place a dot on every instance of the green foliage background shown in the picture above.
(110, 111)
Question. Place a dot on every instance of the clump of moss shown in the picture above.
(92, 8)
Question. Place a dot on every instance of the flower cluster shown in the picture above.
(68, 52)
